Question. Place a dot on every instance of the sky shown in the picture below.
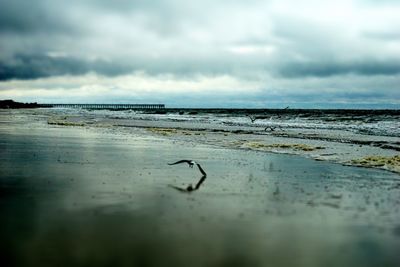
(209, 53)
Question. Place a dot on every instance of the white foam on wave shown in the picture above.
(367, 125)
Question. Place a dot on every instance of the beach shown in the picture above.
(94, 189)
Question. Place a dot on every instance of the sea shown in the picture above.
(363, 122)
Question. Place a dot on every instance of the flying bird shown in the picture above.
(191, 163)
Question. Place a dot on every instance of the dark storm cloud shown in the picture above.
(14, 19)
(326, 69)
(27, 67)
(30, 30)
(262, 45)
(340, 96)
(34, 66)
(28, 17)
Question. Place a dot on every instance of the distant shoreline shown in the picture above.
(8, 103)
(11, 104)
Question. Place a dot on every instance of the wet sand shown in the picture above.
(93, 196)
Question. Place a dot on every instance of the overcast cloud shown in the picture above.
(225, 53)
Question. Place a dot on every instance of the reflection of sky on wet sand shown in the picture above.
(73, 196)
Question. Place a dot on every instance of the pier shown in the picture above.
(105, 106)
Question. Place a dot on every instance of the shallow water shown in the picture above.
(78, 196)
(366, 122)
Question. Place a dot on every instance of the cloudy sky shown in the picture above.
(224, 53)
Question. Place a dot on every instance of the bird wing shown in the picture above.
(201, 170)
(180, 161)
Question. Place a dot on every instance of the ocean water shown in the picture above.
(365, 122)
